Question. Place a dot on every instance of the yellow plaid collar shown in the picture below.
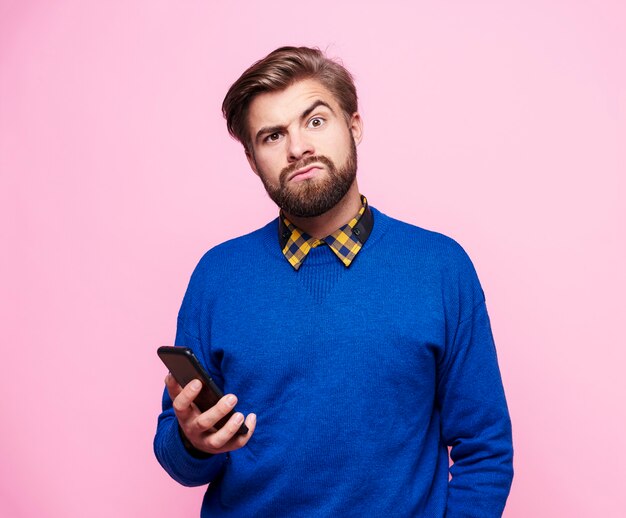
(345, 242)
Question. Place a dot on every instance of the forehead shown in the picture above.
(282, 107)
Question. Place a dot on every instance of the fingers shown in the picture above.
(182, 398)
(251, 424)
(237, 441)
(226, 438)
(199, 428)
(214, 414)
(173, 388)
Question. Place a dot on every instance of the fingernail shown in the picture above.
(238, 418)
(196, 385)
(231, 400)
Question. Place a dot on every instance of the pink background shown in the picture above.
(502, 124)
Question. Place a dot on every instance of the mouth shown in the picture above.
(305, 173)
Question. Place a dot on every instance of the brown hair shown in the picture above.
(279, 70)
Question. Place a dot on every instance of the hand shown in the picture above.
(198, 427)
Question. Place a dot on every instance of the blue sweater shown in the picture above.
(361, 379)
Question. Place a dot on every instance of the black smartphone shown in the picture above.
(185, 367)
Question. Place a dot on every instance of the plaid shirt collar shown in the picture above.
(345, 242)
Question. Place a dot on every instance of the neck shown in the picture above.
(325, 224)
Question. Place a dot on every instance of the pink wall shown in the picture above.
(501, 124)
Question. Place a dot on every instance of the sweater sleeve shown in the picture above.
(170, 451)
(174, 457)
(475, 421)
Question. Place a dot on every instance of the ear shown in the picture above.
(252, 162)
(356, 127)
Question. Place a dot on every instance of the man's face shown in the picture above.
(302, 147)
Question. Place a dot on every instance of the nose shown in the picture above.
(299, 146)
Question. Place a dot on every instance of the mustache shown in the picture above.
(305, 162)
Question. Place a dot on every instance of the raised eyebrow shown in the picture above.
(310, 109)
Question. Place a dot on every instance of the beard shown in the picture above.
(315, 196)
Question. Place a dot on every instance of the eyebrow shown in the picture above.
(268, 130)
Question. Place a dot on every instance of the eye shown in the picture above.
(316, 122)
(272, 137)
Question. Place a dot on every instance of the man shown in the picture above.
(362, 343)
